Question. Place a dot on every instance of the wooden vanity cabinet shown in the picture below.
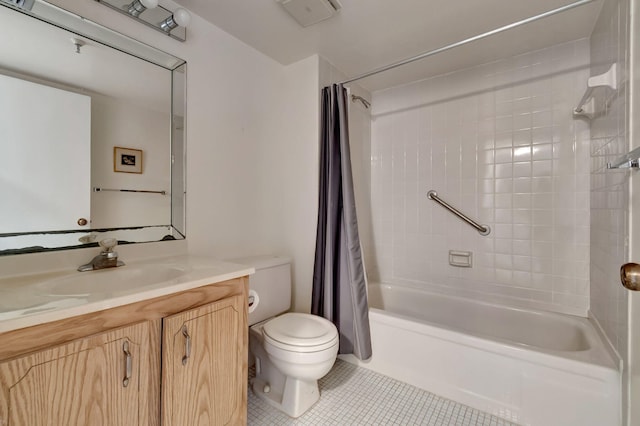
(198, 346)
(99, 380)
(170, 361)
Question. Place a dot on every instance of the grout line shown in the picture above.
(352, 395)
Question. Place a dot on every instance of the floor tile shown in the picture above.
(352, 395)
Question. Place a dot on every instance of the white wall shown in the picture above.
(119, 123)
(234, 112)
(610, 188)
(499, 142)
(291, 168)
(234, 115)
(292, 165)
(46, 135)
(252, 146)
(632, 374)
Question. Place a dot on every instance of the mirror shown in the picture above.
(91, 131)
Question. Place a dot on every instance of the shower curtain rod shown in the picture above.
(469, 40)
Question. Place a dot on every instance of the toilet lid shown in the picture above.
(301, 330)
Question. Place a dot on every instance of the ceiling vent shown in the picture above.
(309, 12)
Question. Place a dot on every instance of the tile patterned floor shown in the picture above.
(353, 395)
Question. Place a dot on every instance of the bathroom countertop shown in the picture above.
(28, 300)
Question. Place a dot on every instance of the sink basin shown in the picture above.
(45, 296)
(112, 280)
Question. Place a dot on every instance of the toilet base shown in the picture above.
(288, 381)
(297, 395)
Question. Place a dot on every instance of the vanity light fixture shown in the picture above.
(149, 13)
(179, 18)
(139, 6)
(22, 4)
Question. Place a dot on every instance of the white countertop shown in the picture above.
(28, 300)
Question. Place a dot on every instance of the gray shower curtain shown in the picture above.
(339, 286)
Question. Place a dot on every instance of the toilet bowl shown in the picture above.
(291, 351)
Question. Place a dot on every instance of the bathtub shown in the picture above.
(530, 367)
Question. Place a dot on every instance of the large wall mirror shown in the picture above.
(92, 141)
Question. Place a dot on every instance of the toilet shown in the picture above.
(292, 351)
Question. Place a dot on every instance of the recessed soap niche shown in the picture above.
(461, 259)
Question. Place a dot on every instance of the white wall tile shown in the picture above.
(508, 157)
(609, 188)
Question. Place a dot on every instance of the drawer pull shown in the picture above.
(187, 345)
(127, 364)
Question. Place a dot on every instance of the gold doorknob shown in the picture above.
(630, 276)
(82, 221)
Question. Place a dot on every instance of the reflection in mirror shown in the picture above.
(92, 135)
(178, 152)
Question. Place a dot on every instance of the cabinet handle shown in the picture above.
(187, 345)
(127, 364)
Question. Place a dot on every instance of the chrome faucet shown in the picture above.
(106, 259)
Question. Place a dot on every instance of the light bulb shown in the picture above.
(149, 4)
(181, 17)
(138, 6)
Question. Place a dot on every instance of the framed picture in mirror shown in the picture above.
(131, 132)
(127, 160)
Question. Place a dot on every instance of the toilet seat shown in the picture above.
(300, 333)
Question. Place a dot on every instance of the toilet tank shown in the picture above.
(272, 282)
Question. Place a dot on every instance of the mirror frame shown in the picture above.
(68, 21)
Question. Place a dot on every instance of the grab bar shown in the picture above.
(482, 229)
(145, 191)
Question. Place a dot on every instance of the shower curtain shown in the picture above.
(339, 286)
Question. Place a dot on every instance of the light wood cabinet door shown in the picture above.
(98, 380)
(204, 365)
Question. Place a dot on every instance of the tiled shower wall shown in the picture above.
(610, 188)
(499, 142)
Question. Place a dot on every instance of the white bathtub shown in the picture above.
(530, 367)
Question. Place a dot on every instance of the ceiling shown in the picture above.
(46, 54)
(369, 34)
